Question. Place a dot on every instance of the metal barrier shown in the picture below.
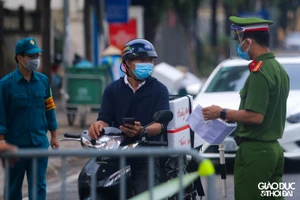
(149, 152)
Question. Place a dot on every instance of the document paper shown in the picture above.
(212, 131)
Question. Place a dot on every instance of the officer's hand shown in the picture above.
(211, 112)
(8, 147)
(131, 130)
(54, 143)
(95, 130)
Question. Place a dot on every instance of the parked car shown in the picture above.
(222, 88)
(292, 42)
(178, 80)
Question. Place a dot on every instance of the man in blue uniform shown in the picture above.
(27, 112)
(137, 95)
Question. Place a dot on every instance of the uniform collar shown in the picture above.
(19, 76)
(265, 56)
(256, 64)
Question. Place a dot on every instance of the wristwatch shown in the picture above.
(223, 114)
(145, 132)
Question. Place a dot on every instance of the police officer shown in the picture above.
(262, 112)
(137, 95)
(27, 112)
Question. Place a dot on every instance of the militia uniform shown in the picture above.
(27, 112)
(260, 157)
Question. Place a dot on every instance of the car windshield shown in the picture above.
(230, 79)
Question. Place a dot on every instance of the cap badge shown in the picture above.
(32, 42)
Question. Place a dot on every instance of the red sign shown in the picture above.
(121, 33)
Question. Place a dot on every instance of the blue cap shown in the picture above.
(28, 46)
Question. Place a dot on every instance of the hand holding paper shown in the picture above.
(211, 112)
(212, 131)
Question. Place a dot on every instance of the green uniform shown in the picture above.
(260, 158)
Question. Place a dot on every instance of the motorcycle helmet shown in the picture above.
(138, 48)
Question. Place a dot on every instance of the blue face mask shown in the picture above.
(32, 65)
(243, 55)
(143, 70)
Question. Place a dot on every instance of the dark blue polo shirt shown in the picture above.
(120, 101)
(27, 110)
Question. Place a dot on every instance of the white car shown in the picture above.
(292, 42)
(222, 88)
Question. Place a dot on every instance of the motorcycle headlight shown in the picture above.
(294, 118)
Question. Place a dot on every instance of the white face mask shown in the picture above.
(32, 65)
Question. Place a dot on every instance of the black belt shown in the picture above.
(240, 140)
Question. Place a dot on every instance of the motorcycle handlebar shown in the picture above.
(70, 135)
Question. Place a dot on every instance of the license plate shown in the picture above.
(230, 146)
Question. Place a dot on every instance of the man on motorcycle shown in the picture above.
(139, 96)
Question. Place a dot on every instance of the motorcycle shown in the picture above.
(106, 169)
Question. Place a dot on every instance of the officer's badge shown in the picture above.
(255, 66)
(32, 42)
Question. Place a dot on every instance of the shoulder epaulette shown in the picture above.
(255, 66)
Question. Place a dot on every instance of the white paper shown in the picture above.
(212, 131)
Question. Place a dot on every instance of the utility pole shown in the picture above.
(46, 39)
(67, 42)
(214, 42)
(87, 29)
(3, 69)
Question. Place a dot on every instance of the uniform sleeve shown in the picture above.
(50, 110)
(257, 98)
(3, 107)
(106, 110)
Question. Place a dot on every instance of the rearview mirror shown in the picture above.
(163, 116)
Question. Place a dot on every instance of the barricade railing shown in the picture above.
(205, 169)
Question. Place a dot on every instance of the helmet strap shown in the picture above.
(127, 69)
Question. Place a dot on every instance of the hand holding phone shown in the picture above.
(128, 120)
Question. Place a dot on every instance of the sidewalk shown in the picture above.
(63, 127)
(54, 163)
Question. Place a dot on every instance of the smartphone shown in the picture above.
(128, 120)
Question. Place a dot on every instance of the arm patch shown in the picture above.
(49, 103)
